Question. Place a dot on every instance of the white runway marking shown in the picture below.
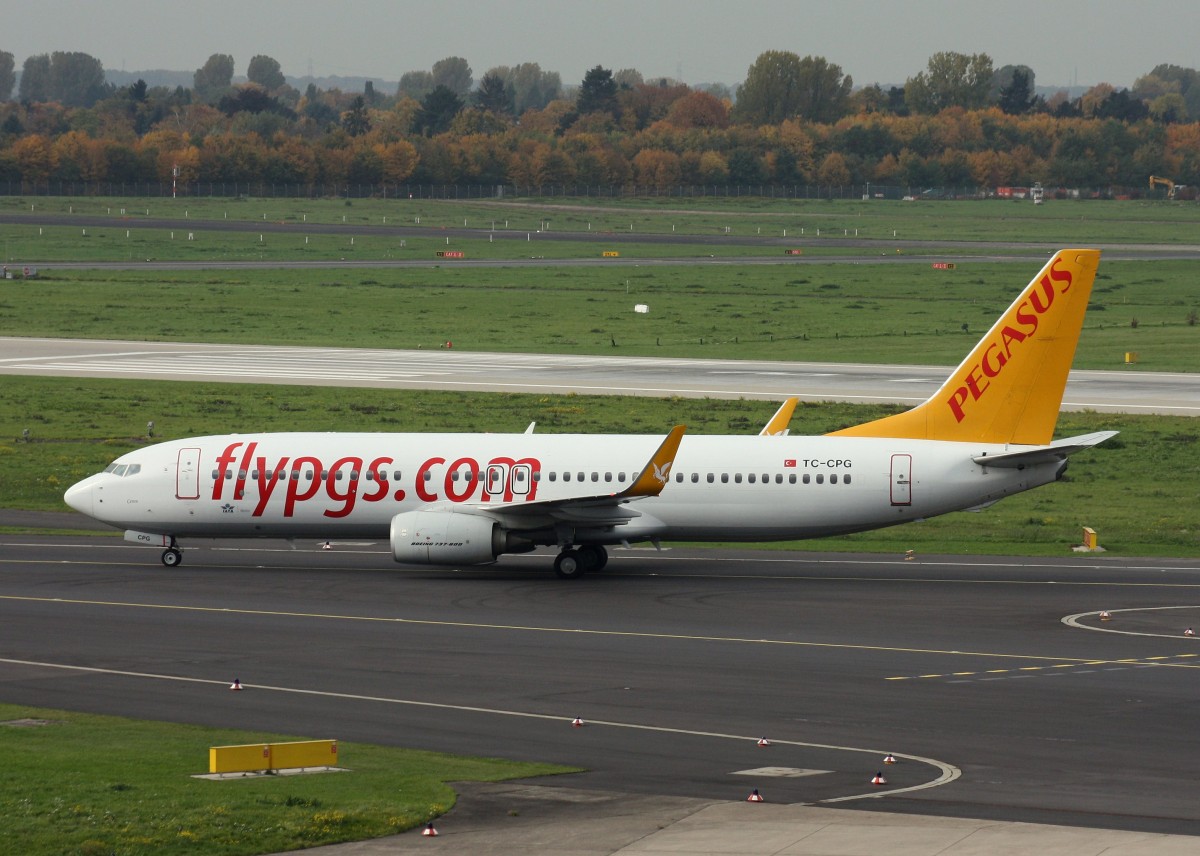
(946, 772)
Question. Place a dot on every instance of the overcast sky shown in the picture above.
(702, 41)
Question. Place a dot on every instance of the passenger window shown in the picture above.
(621, 477)
(553, 476)
(791, 478)
(679, 478)
(846, 478)
(724, 478)
(779, 478)
(608, 477)
(695, 478)
(737, 478)
(308, 475)
(807, 478)
(566, 477)
(751, 478)
(710, 478)
(820, 478)
(833, 478)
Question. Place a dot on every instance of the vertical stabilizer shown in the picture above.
(1010, 387)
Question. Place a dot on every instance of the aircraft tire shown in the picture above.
(569, 565)
(594, 557)
(172, 557)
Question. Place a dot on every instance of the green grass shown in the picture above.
(900, 313)
(101, 785)
(1058, 221)
(1139, 490)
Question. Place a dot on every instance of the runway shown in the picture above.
(1109, 391)
(676, 661)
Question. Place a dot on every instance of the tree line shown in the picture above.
(793, 120)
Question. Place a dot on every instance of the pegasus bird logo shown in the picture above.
(662, 473)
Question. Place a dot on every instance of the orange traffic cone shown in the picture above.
(236, 685)
(577, 723)
(762, 741)
(1189, 632)
(879, 779)
(429, 831)
(889, 758)
(1105, 615)
(755, 796)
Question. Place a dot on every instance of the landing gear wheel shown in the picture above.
(594, 557)
(569, 565)
(172, 557)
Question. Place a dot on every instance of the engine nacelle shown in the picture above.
(446, 538)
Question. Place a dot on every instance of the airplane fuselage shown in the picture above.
(724, 488)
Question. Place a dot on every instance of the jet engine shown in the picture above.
(449, 537)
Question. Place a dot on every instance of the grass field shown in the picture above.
(901, 313)
(1057, 222)
(98, 785)
(1138, 490)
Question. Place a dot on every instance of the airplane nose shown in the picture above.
(79, 496)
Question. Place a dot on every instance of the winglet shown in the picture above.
(653, 477)
(1010, 387)
(777, 425)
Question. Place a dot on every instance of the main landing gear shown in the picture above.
(573, 563)
(172, 556)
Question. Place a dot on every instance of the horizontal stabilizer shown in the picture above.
(1059, 450)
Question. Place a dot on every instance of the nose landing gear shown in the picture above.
(172, 556)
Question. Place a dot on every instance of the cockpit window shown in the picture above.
(123, 469)
(119, 469)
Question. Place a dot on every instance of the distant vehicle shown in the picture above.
(465, 499)
(1037, 193)
(1172, 187)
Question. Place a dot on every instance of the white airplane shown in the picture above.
(465, 499)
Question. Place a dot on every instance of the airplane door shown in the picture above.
(901, 479)
(187, 474)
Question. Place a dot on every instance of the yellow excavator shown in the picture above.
(1156, 181)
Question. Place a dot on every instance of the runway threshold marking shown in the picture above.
(946, 772)
(471, 625)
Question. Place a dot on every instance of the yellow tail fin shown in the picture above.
(1009, 388)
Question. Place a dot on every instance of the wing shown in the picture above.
(599, 509)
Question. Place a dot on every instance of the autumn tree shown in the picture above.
(72, 79)
(8, 78)
(415, 84)
(454, 73)
(214, 78)
(950, 80)
(780, 85)
(265, 72)
(698, 110)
